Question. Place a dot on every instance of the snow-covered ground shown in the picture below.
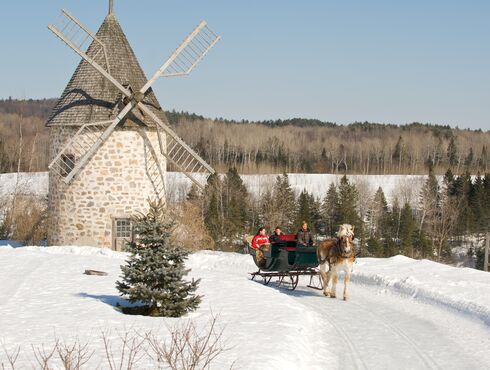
(178, 185)
(402, 313)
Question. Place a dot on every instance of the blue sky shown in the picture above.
(342, 61)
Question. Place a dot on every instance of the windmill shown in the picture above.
(109, 96)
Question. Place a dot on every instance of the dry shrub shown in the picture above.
(75, 355)
(24, 220)
(11, 358)
(44, 356)
(133, 348)
(190, 231)
(188, 348)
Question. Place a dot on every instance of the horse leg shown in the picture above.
(325, 278)
(346, 282)
(335, 279)
(348, 272)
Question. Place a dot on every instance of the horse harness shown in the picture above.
(335, 252)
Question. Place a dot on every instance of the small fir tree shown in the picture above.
(303, 209)
(154, 274)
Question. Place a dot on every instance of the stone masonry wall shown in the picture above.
(113, 184)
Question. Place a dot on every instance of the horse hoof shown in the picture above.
(332, 296)
(345, 298)
(326, 294)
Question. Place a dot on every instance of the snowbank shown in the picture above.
(463, 289)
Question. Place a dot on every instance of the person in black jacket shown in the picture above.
(276, 237)
(303, 238)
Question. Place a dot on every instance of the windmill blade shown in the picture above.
(78, 151)
(179, 153)
(64, 162)
(68, 33)
(188, 55)
(153, 167)
(80, 37)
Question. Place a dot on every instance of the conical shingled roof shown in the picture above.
(90, 97)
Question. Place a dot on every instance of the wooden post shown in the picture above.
(487, 248)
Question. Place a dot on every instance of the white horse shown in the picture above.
(339, 254)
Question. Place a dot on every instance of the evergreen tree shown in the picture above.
(463, 188)
(284, 203)
(235, 203)
(267, 217)
(154, 273)
(397, 152)
(486, 201)
(468, 162)
(452, 152)
(329, 210)
(483, 163)
(214, 218)
(379, 216)
(303, 209)
(348, 198)
(375, 248)
(407, 231)
(476, 202)
(316, 219)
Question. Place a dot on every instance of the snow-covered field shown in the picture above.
(402, 313)
(178, 185)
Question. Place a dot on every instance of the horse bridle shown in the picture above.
(341, 242)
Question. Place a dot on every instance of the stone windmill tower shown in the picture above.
(110, 141)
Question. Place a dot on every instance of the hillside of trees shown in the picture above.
(294, 145)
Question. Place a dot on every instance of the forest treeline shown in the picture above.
(275, 146)
(443, 213)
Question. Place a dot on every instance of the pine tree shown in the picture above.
(316, 219)
(329, 210)
(214, 218)
(468, 162)
(348, 198)
(154, 273)
(235, 203)
(407, 231)
(397, 152)
(452, 152)
(375, 248)
(379, 216)
(284, 203)
(303, 209)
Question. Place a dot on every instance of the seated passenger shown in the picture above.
(276, 237)
(303, 237)
(259, 241)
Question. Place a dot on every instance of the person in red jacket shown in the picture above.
(260, 238)
(259, 242)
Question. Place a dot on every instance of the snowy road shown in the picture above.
(403, 314)
(380, 331)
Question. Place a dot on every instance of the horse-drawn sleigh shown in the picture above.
(287, 261)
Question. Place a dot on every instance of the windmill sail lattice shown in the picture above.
(181, 62)
(71, 31)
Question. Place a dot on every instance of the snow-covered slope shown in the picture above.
(402, 313)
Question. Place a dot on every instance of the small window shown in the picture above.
(123, 228)
(67, 163)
